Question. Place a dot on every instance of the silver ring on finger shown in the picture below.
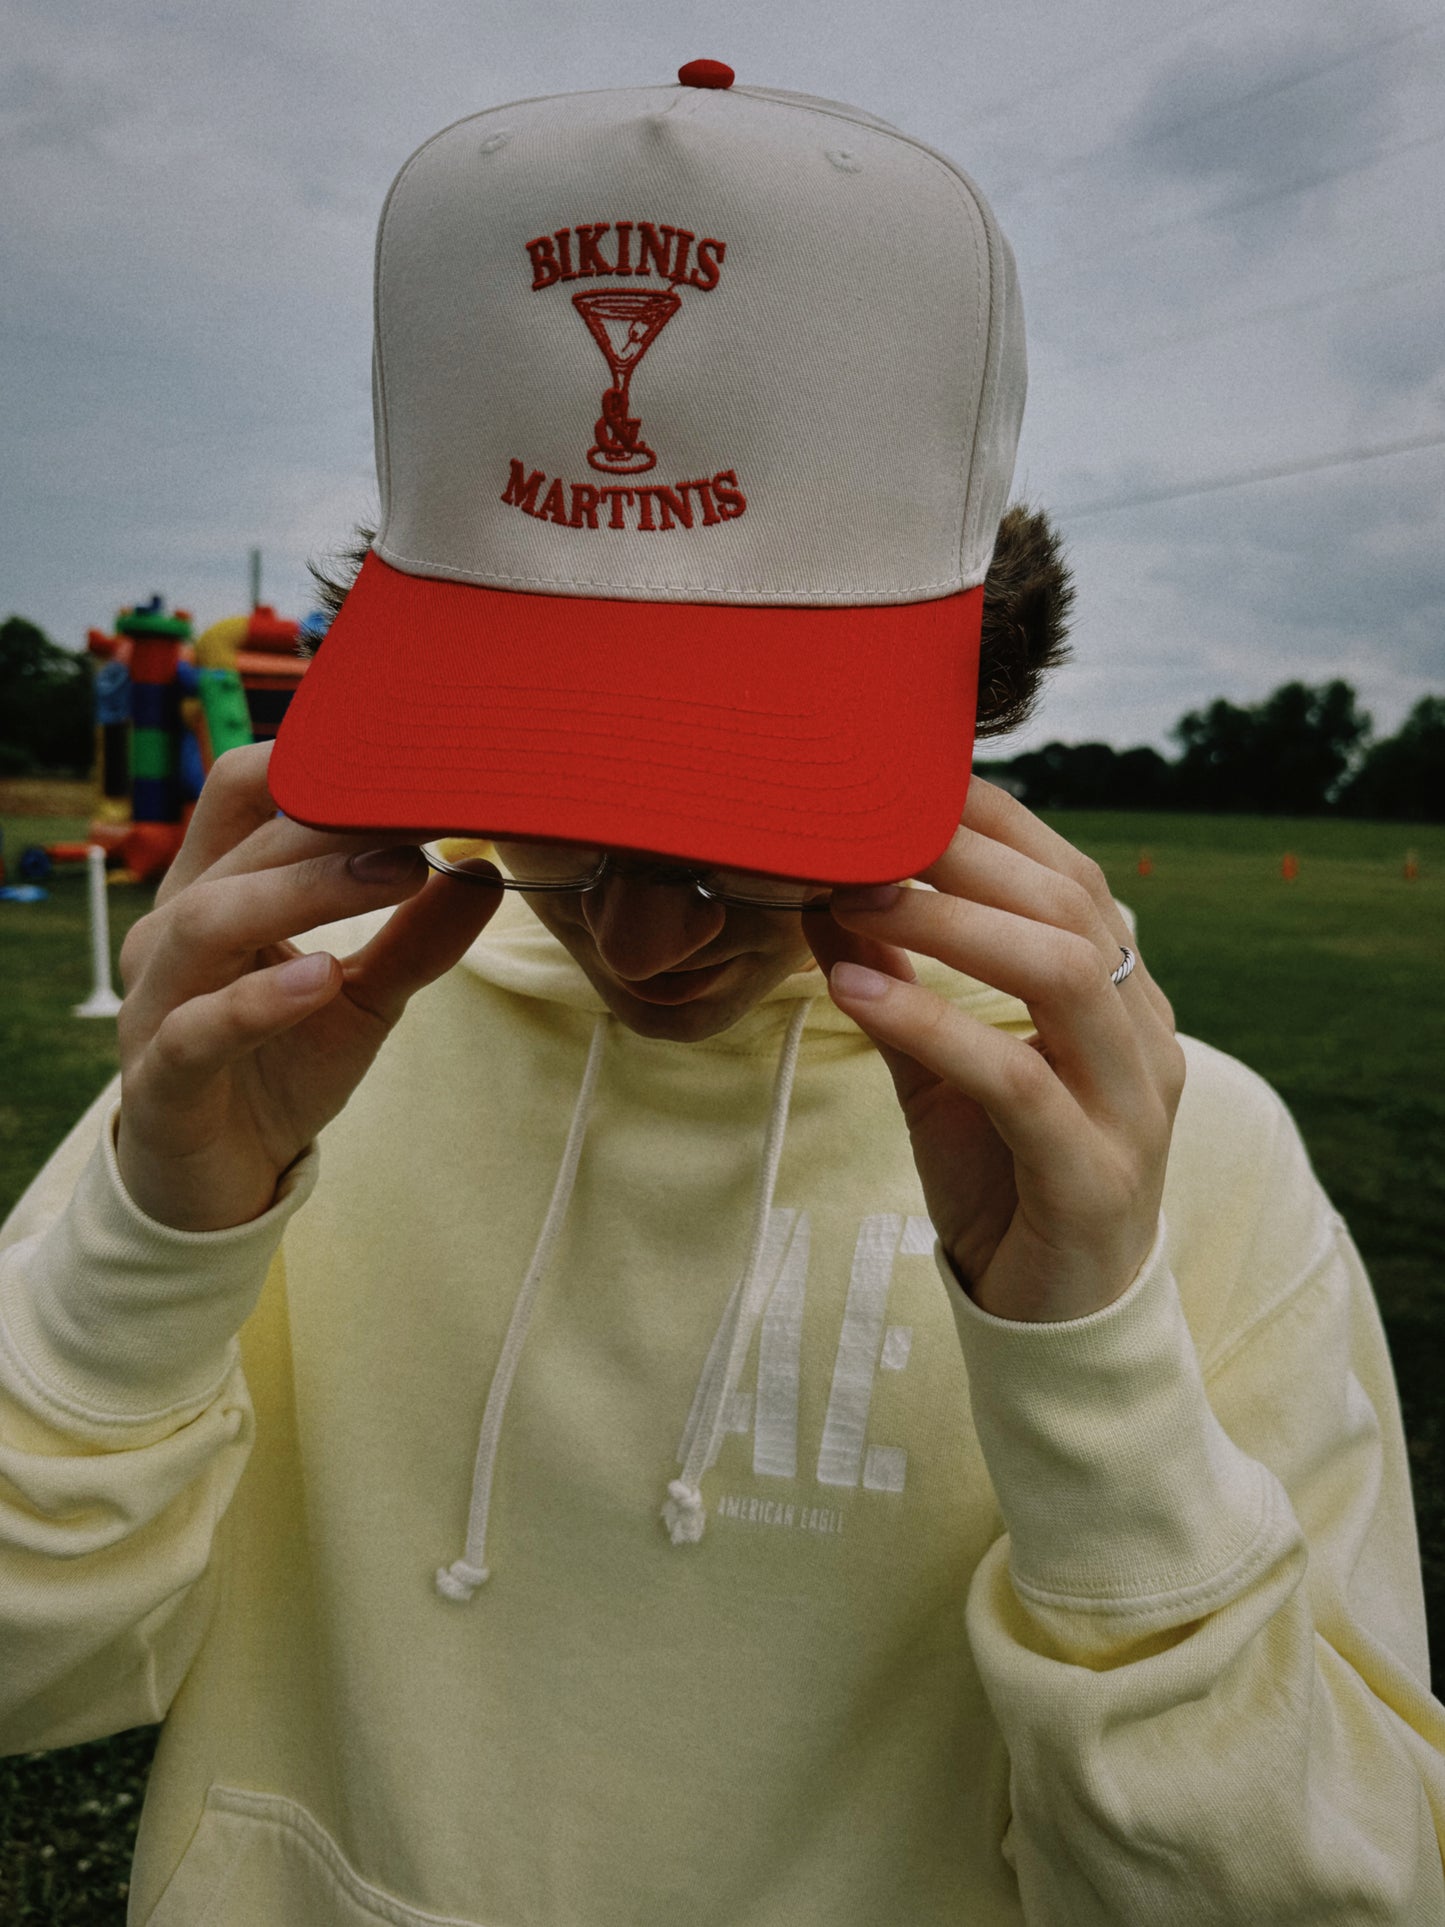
(1118, 976)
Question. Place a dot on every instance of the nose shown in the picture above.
(641, 927)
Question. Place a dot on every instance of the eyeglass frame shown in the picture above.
(674, 874)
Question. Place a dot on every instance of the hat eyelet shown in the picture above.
(494, 141)
(844, 160)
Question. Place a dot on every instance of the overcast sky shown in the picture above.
(1229, 222)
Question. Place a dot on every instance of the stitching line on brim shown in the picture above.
(488, 685)
(501, 764)
(655, 591)
(720, 735)
(689, 760)
(865, 838)
(677, 802)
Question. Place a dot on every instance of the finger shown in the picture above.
(985, 871)
(990, 811)
(211, 934)
(981, 868)
(237, 826)
(205, 1035)
(1031, 1110)
(1059, 974)
(832, 944)
(421, 941)
(994, 820)
(280, 841)
(234, 801)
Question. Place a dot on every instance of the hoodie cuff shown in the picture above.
(108, 1317)
(1117, 1483)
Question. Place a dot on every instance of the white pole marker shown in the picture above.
(102, 1001)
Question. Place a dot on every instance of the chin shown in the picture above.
(676, 1023)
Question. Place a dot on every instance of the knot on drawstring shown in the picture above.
(684, 1514)
(459, 1580)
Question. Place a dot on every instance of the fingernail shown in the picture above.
(867, 896)
(857, 980)
(384, 866)
(304, 974)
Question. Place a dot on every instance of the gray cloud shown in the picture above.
(1392, 345)
(40, 108)
(1371, 535)
(1267, 112)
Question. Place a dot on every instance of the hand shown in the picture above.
(235, 1048)
(1042, 1159)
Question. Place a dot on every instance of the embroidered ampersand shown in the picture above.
(619, 445)
(624, 322)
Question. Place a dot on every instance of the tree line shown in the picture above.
(47, 716)
(1301, 752)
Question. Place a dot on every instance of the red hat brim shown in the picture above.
(825, 743)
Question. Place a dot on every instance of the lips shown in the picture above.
(676, 986)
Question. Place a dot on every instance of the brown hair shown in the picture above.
(1027, 597)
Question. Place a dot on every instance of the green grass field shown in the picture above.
(1329, 985)
(51, 1064)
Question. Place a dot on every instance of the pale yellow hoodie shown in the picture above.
(813, 1594)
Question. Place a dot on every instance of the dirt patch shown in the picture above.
(45, 796)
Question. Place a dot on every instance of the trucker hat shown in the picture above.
(696, 409)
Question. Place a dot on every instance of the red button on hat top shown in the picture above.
(706, 73)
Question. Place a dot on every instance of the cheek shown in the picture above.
(552, 914)
(782, 942)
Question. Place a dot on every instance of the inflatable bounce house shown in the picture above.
(166, 706)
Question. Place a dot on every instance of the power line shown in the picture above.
(1276, 311)
(1247, 478)
(1110, 61)
(1265, 92)
(1197, 216)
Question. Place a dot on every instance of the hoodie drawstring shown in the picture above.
(461, 1579)
(684, 1513)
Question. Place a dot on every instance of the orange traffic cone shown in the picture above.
(1412, 866)
(1146, 864)
(1289, 869)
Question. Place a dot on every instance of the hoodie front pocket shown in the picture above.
(257, 1858)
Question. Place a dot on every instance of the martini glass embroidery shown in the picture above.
(624, 322)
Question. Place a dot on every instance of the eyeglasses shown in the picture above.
(574, 866)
